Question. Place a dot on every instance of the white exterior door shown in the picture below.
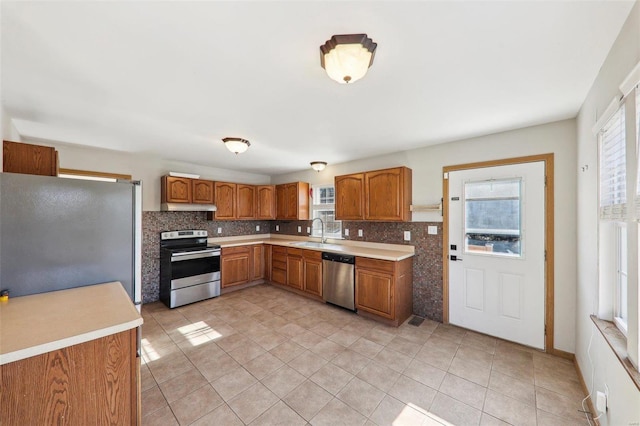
(496, 251)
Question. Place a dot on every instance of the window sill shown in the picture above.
(618, 343)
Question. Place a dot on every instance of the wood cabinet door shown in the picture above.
(281, 202)
(374, 292)
(29, 159)
(279, 265)
(313, 276)
(202, 191)
(291, 197)
(295, 271)
(245, 201)
(234, 266)
(266, 202)
(350, 197)
(225, 196)
(176, 189)
(257, 262)
(383, 195)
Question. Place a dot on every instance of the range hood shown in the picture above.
(187, 207)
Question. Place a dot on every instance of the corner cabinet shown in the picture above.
(385, 288)
(379, 195)
(292, 201)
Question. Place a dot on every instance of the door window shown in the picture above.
(493, 219)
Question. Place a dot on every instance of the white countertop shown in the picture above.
(40, 323)
(393, 252)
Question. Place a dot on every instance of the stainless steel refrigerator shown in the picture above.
(58, 233)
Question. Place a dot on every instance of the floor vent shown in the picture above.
(416, 320)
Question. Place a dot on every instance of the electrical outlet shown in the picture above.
(308, 230)
(277, 228)
(219, 230)
(360, 234)
(258, 228)
(407, 235)
(299, 229)
(432, 230)
(346, 232)
(601, 402)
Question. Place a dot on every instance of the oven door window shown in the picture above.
(191, 267)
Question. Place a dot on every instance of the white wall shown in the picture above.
(143, 167)
(427, 163)
(624, 401)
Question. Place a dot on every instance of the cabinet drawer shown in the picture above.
(295, 252)
(279, 264)
(377, 264)
(312, 255)
(235, 250)
(279, 250)
(278, 276)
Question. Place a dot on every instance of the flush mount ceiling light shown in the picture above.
(346, 58)
(236, 145)
(318, 166)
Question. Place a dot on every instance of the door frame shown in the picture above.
(548, 160)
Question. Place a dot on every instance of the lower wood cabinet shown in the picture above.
(295, 268)
(257, 262)
(313, 272)
(235, 265)
(86, 384)
(279, 265)
(385, 288)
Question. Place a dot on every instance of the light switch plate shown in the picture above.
(257, 227)
(308, 229)
(277, 227)
(432, 230)
(346, 232)
(299, 228)
(407, 235)
(360, 234)
(219, 230)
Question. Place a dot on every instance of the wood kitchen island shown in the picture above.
(69, 357)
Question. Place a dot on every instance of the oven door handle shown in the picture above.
(177, 257)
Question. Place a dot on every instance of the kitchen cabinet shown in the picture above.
(202, 191)
(385, 288)
(313, 272)
(257, 262)
(379, 195)
(265, 202)
(225, 196)
(292, 201)
(29, 159)
(235, 265)
(295, 268)
(279, 265)
(175, 189)
(245, 201)
(349, 190)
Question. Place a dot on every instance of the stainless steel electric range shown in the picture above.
(189, 268)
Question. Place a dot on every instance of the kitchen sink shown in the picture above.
(314, 244)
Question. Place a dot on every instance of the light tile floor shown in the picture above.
(265, 356)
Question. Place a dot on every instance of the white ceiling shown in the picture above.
(173, 78)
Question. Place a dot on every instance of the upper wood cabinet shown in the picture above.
(265, 202)
(292, 201)
(29, 159)
(380, 195)
(225, 197)
(349, 190)
(202, 191)
(245, 201)
(176, 189)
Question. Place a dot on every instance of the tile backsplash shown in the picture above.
(427, 262)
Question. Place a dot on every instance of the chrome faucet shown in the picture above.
(322, 239)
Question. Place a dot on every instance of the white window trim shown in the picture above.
(316, 229)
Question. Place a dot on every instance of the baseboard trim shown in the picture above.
(562, 354)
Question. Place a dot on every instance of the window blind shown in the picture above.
(613, 186)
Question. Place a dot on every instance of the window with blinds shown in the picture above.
(613, 185)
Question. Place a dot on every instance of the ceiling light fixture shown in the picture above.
(346, 58)
(236, 145)
(318, 166)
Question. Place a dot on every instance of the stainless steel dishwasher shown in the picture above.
(338, 279)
